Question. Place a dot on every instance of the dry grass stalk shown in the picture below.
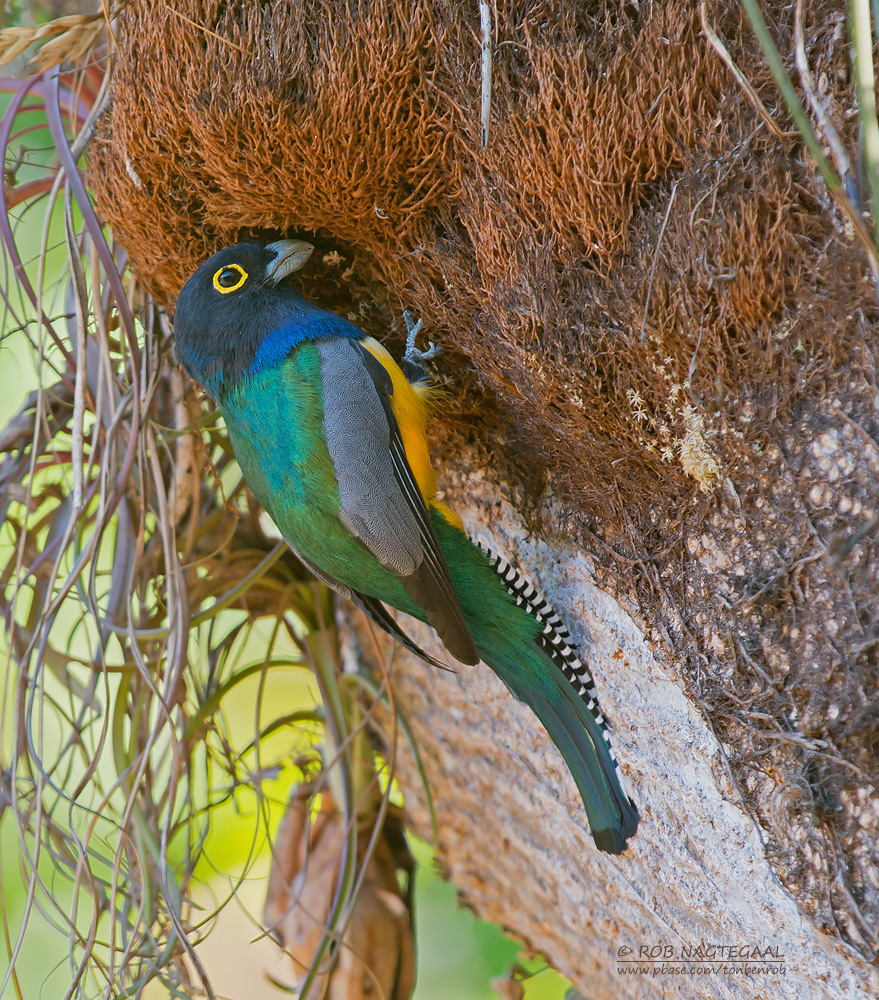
(70, 39)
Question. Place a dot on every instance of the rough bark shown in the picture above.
(512, 833)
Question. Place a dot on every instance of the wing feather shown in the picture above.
(381, 503)
(373, 609)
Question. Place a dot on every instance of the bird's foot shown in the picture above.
(413, 360)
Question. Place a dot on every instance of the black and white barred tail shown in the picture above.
(555, 640)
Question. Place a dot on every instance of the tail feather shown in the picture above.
(566, 702)
(528, 673)
(556, 640)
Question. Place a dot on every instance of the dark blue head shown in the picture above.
(236, 315)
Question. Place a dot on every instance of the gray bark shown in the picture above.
(513, 835)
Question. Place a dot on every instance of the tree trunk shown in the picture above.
(513, 836)
(660, 336)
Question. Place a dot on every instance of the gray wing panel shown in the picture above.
(430, 585)
(381, 504)
(374, 507)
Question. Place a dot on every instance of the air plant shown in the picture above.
(141, 593)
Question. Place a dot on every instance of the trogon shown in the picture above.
(331, 437)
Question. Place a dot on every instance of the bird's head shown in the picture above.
(231, 304)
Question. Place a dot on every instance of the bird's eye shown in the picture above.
(230, 278)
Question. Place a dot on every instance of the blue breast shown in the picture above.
(307, 325)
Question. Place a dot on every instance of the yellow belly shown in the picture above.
(410, 409)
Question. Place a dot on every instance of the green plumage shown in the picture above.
(310, 414)
(279, 412)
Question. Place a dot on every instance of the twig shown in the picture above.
(807, 132)
(207, 31)
(740, 78)
(829, 133)
(671, 201)
(485, 21)
(843, 549)
(80, 299)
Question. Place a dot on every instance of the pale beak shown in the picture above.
(290, 256)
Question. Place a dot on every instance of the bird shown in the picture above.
(331, 436)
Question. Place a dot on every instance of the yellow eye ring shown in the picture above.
(227, 273)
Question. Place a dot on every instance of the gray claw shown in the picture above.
(413, 355)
